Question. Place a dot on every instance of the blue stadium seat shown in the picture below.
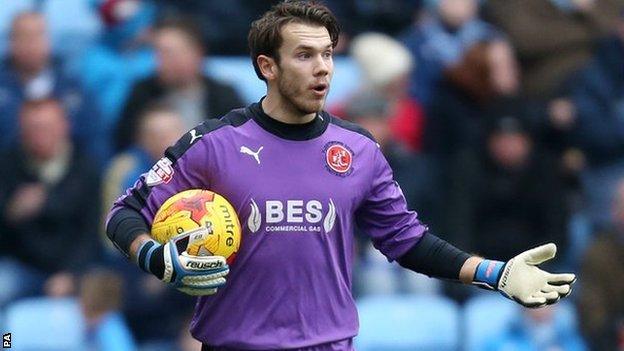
(402, 322)
(485, 316)
(80, 31)
(45, 324)
(488, 320)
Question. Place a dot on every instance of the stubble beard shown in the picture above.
(296, 98)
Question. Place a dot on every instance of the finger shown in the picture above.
(532, 302)
(568, 293)
(540, 254)
(562, 290)
(561, 279)
(198, 292)
(202, 282)
(551, 297)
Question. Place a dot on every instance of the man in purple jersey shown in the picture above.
(300, 180)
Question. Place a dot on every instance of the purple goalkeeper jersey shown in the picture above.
(299, 191)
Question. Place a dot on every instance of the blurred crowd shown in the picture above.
(503, 121)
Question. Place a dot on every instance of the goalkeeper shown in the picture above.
(284, 163)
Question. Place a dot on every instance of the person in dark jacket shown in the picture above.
(179, 82)
(597, 96)
(48, 205)
(507, 195)
(31, 72)
(601, 299)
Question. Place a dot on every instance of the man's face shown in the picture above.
(30, 45)
(510, 150)
(457, 12)
(44, 130)
(305, 67)
(179, 59)
(158, 131)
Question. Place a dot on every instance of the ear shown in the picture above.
(267, 66)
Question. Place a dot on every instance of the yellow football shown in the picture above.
(192, 209)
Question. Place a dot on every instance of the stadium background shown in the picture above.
(503, 121)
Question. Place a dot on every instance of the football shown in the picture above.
(196, 208)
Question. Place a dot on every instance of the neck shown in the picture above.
(28, 73)
(282, 110)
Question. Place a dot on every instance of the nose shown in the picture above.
(322, 67)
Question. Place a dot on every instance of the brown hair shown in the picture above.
(189, 28)
(472, 73)
(100, 292)
(265, 37)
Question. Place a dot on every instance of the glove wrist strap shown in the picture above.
(150, 258)
(488, 273)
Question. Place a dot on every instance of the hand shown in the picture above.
(520, 280)
(193, 275)
(27, 202)
(584, 5)
(60, 285)
(562, 113)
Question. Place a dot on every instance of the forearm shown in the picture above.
(136, 244)
(437, 258)
(468, 270)
(127, 229)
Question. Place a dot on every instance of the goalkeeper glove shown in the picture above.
(520, 280)
(193, 275)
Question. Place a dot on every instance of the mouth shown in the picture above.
(320, 89)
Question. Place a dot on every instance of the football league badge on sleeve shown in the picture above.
(161, 172)
(338, 158)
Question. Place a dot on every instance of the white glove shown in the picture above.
(193, 275)
(520, 280)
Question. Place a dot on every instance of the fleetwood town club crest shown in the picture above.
(338, 158)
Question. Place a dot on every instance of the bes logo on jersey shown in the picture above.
(292, 216)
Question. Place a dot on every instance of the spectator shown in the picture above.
(440, 41)
(506, 195)
(553, 38)
(100, 298)
(224, 24)
(385, 65)
(159, 127)
(48, 182)
(484, 82)
(179, 81)
(539, 329)
(597, 123)
(601, 301)
(121, 55)
(30, 73)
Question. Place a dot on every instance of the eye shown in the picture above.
(303, 55)
(328, 54)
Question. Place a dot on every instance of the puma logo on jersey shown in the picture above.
(247, 151)
(194, 136)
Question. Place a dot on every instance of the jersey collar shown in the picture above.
(298, 132)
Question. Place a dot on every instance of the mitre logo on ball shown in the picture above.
(211, 220)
